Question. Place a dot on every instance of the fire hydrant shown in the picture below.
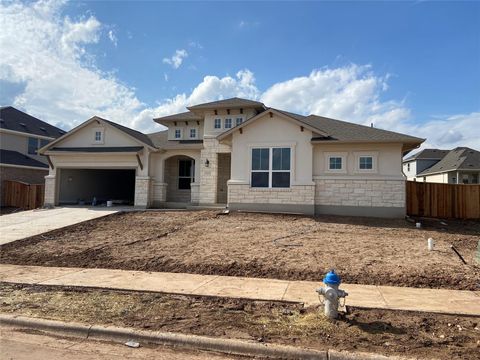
(331, 294)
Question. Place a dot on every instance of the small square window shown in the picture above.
(228, 123)
(193, 133)
(365, 163)
(238, 121)
(335, 163)
(218, 124)
(178, 133)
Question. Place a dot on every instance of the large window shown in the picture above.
(271, 167)
(218, 124)
(185, 174)
(32, 145)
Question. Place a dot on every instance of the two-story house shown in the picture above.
(238, 153)
(21, 135)
(415, 164)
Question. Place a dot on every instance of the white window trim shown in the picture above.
(190, 133)
(342, 155)
(373, 155)
(102, 135)
(214, 121)
(225, 123)
(270, 163)
(175, 133)
(238, 117)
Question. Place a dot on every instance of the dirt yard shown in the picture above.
(389, 332)
(362, 250)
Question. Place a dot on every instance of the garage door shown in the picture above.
(80, 186)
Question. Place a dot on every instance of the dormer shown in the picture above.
(185, 126)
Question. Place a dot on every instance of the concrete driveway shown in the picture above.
(24, 224)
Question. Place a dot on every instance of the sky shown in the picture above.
(411, 67)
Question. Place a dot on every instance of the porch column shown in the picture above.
(142, 191)
(208, 172)
(50, 191)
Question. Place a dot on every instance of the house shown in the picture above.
(235, 152)
(415, 164)
(21, 135)
(459, 166)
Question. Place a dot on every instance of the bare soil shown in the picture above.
(380, 331)
(362, 250)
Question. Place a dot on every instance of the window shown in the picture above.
(228, 123)
(98, 135)
(32, 145)
(365, 163)
(408, 167)
(238, 121)
(178, 133)
(185, 174)
(474, 179)
(335, 163)
(193, 133)
(271, 167)
(218, 124)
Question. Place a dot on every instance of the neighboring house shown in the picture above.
(235, 152)
(459, 166)
(21, 135)
(415, 164)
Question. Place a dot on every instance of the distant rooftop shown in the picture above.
(16, 120)
(460, 158)
(233, 103)
(428, 154)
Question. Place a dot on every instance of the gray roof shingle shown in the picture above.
(428, 154)
(134, 133)
(160, 140)
(234, 102)
(460, 158)
(16, 120)
(185, 116)
(11, 157)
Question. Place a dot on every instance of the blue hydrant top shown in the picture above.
(332, 278)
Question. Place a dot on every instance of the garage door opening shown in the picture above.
(81, 186)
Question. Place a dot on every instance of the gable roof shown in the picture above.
(185, 116)
(331, 130)
(428, 154)
(137, 135)
(460, 158)
(234, 102)
(16, 120)
(10, 157)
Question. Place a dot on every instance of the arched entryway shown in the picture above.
(179, 175)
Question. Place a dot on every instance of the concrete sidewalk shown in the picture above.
(366, 296)
(23, 224)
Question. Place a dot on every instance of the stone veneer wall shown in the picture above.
(331, 193)
(209, 175)
(50, 190)
(159, 193)
(298, 198)
(142, 191)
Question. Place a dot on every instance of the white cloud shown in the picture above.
(176, 59)
(51, 74)
(113, 38)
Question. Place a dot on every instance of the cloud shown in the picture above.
(113, 38)
(176, 60)
(244, 24)
(50, 73)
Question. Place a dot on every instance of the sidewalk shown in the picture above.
(14, 226)
(366, 296)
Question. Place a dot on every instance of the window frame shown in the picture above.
(341, 155)
(217, 121)
(191, 177)
(190, 133)
(101, 131)
(230, 121)
(362, 154)
(270, 170)
(237, 122)
(35, 150)
(179, 132)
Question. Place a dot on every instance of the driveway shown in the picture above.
(24, 224)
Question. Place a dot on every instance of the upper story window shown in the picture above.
(366, 163)
(32, 145)
(193, 133)
(98, 136)
(408, 167)
(335, 163)
(217, 124)
(178, 133)
(228, 123)
(271, 167)
(238, 121)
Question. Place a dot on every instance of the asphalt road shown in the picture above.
(32, 345)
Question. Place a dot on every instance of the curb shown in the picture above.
(227, 346)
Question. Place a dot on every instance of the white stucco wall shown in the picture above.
(185, 129)
(222, 114)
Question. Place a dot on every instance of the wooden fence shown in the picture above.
(23, 195)
(443, 200)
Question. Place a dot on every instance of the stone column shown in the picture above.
(208, 174)
(50, 191)
(142, 191)
(195, 193)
